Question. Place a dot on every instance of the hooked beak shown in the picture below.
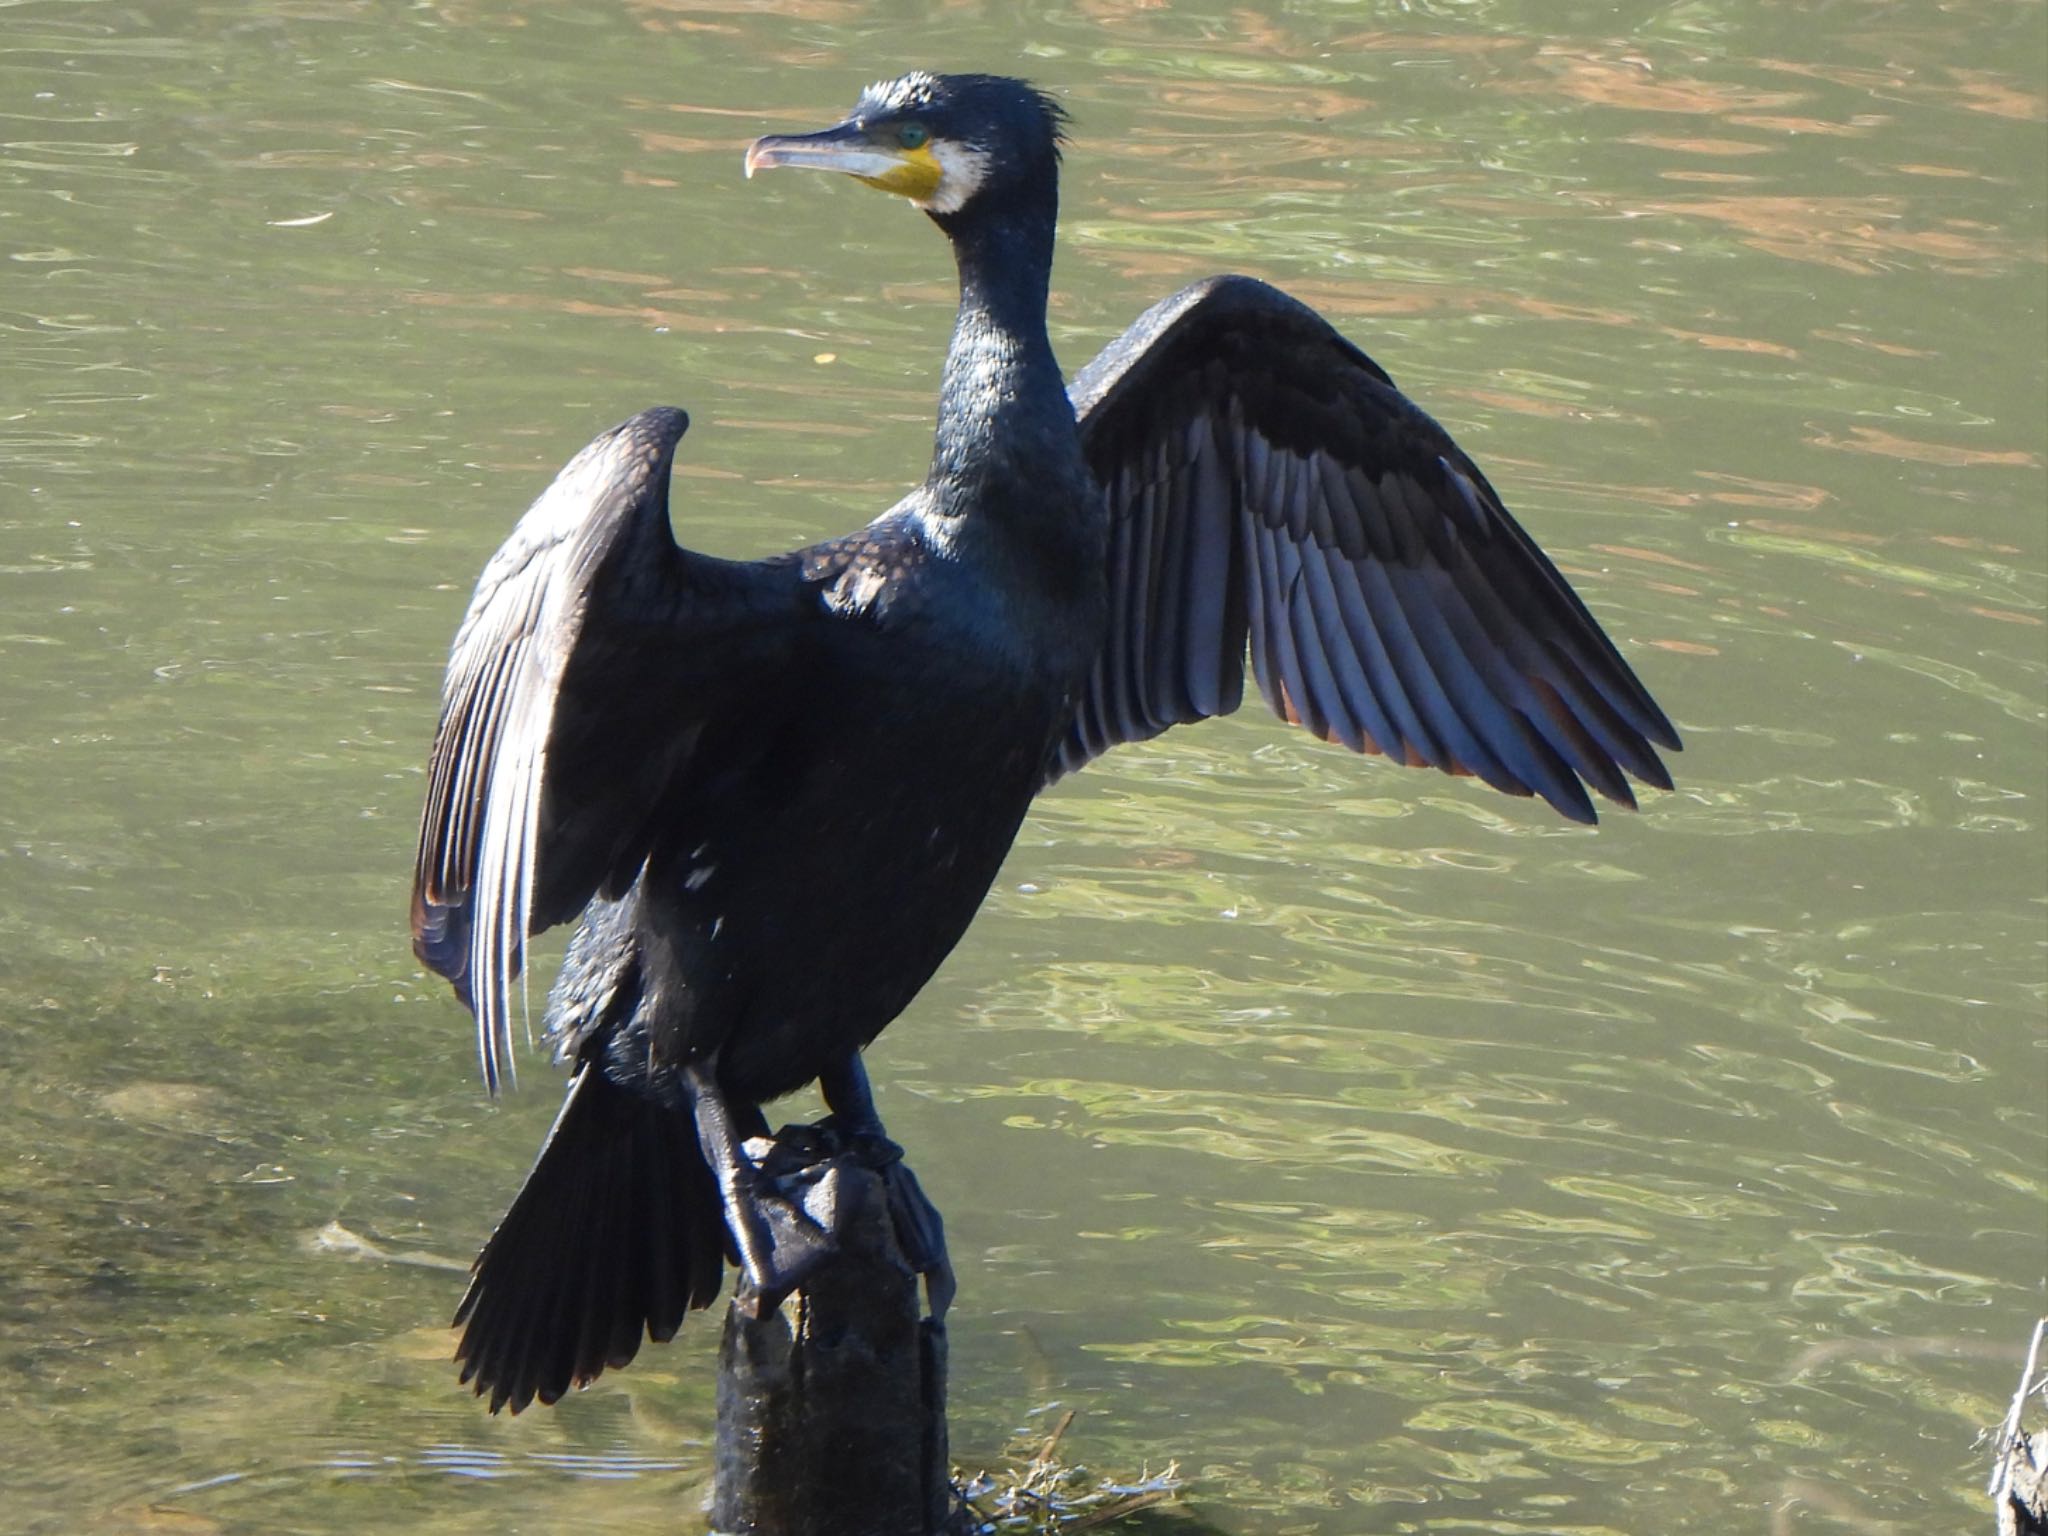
(911, 173)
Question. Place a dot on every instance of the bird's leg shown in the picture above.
(779, 1246)
(920, 1231)
(851, 1100)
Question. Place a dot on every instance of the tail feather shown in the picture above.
(616, 1233)
(665, 1255)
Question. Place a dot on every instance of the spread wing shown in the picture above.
(1271, 490)
(590, 659)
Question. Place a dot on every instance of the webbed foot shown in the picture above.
(920, 1231)
(778, 1243)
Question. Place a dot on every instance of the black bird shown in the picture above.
(776, 791)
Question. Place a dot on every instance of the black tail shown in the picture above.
(617, 1231)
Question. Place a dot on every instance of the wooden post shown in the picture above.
(832, 1407)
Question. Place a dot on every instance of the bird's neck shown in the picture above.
(1004, 418)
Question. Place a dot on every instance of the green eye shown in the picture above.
(912, 135)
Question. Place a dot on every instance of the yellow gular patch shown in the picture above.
(915, 175)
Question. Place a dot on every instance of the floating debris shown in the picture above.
(336, 1239)
(1046, 1496)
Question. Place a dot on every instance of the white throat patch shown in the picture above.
(961, 169)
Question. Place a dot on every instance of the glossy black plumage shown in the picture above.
(778, 790)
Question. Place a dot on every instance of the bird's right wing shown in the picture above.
(592, 654)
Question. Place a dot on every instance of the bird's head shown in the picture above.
(942, 141)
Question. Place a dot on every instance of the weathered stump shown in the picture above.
(832, 1406)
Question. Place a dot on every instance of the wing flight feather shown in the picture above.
(1274, 499)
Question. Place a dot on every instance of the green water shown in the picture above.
(1392, 1156)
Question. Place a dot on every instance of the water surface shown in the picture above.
(1390, 1154)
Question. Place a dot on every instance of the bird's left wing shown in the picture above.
(1269, 488)
(592, 655)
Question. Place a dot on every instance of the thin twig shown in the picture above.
(2001, 1468)
(1059, 1431)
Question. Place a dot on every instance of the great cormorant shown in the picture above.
(776, 791)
